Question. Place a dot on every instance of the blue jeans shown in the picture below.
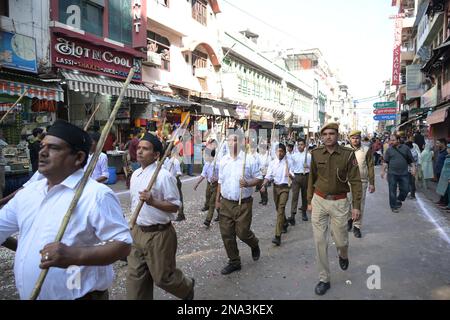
(402, 181)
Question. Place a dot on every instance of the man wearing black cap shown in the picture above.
(152, 258)
(97, 234)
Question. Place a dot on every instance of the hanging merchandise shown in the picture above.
(202, 124)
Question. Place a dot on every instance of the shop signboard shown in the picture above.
(429, 99)
(70, 53)
(384, 117)
(414, 80)
(18, 52)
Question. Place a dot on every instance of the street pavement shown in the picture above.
(409, 251)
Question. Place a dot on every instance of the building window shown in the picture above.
(199, 11)
(161, 45)
(120, 21)
(83, 14)
(4, 8)
(199, 59)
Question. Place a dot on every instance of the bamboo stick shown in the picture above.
(38, 286)
(13, 106)
(86, 126)
(155, 174)
(246, 148)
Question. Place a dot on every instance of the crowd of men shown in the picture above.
(331, 181)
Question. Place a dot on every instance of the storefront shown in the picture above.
(439, 121)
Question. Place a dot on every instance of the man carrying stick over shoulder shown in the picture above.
(152, 257)
(96, 236)
(235, 220)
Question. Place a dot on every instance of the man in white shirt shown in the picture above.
(301, 163)
(235, 219)
(97, 234)
(172, 164)
(100, 173)
(279, 172)
(152, 258)
(264, 159)
(210, 172)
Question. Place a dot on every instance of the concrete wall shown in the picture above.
(30, 18)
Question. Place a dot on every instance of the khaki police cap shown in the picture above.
(331, 125)
(355, 133)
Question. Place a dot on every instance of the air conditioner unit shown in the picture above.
(154, 58)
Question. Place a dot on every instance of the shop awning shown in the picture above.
(438, 116)
(171, 100)
(84, 83)
(218, 111)
(43, 92)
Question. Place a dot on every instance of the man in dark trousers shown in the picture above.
(34, 147)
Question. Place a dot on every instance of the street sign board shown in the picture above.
(383, 105)
(383, 117)
(385, 111)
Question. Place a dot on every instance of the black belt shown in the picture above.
(249, 199)
(95, 295)
(281, 185)
(301, 174)
(155, 227)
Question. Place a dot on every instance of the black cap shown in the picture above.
(157, 145)
(76, 137)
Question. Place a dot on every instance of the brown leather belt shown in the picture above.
(331, 196)
(155, 227)
(245, 200)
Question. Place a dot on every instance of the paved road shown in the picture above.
(410, 248)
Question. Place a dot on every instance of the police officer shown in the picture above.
(235, 220)
(367, 171)
(333, 168)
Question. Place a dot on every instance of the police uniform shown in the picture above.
(278, 171)
(330, 179)
(152, 258)
(236, 220)
(367, 172)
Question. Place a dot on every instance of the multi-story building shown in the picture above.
(250, 76)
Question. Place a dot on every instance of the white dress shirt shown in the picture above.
(173, 166)
(164, 189)
(298, 161)
(36, 213)
(101, 167)
(264, 160)
(278, 171)
(230, 173)
(208, 171)
(35, 177)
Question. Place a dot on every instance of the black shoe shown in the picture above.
(217, 218)
(395, 210)
(229, 268)
(264, 203)
(399, 204)
(343, 263)
(190, 295)
(304, 216)
(356, 232)
(205, 208)
(322, 288)
(285, 228)
(256, 253)
(412, 197)
(261, 202)
(207, 223)
(276, 240)
(349, 225)
(180, 217)
(291, 220)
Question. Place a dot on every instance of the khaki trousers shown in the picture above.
(208, 195)
(236, 222)
(365, 185)
(299, 184)
(333, 213)
(212, 200)
(152, 260)
(280, 196)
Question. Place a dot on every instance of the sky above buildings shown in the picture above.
(355, 36)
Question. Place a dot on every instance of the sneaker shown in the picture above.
(395, 210)
(276, 240)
